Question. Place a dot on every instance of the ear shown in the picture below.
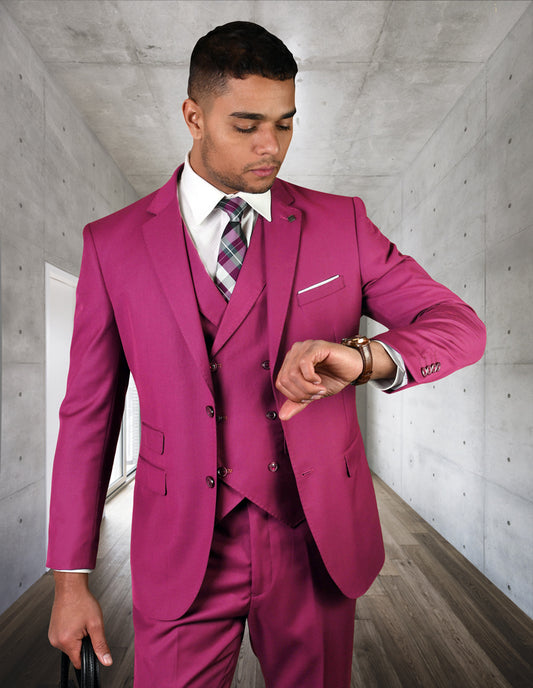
(193, 116)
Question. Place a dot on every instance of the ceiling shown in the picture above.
(375, 81)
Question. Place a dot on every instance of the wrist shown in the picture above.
(362, 345)
(69, 582)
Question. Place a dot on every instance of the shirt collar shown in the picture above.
(202, 196)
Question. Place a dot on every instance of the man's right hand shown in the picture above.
(75, 614)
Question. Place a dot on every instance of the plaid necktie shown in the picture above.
(232, 246)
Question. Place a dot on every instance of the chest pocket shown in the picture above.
(320, 290)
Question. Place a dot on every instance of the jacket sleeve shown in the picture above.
(434, 330)
(90, 419)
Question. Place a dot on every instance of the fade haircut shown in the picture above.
(237, 50)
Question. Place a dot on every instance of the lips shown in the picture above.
(263, 171)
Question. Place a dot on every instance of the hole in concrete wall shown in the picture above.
(466, 128)
(509, 140)
(509, 395)
(510, 77)
(510, 204)
(508, 459)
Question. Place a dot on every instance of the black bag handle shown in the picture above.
(89, 676)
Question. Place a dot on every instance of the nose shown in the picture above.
(267, 143)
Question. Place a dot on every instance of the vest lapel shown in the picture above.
(166, 246)
(210, 301)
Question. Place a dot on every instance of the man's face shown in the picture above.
(241, 137)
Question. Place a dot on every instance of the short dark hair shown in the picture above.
(237, 50)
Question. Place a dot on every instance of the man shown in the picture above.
(253, 498)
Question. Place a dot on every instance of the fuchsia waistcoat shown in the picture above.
(252, 457)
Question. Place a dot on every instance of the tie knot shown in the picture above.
(234, 207)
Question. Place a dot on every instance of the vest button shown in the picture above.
(273, 466)
(210, 481)
(214, 366)
(271, 415)
(221, 419)
(210, 411)
(265, 365)
(222, 471)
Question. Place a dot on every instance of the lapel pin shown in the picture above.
(291, 218)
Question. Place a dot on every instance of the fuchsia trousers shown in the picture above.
(260, 570)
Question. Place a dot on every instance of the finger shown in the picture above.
(100, 646)
(290, 408)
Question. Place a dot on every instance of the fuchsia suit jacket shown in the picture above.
(136, 311)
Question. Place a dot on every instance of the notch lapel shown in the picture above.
(165, 241)
(282, 243)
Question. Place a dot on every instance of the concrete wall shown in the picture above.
(460, 452)
(55, 178)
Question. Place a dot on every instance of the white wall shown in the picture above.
(461, 451)
(55, 178)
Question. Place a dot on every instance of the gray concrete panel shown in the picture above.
(442, 31)
(22, 302)
(22, 533)
(509, 427)
(450, 498)
(460, 131)
(508, 551)
(509, 291)
(511, 66)
(384, 452)
(448, 226)
(510, 165)
(22, 452)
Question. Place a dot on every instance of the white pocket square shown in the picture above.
(319, 284)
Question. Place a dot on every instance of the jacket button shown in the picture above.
(273, 466)
(265, 365)
(271, 415)
(210, 411)
(222, 471)
(210, 481)
(214, 366)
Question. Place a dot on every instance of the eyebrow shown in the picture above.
(259, 117)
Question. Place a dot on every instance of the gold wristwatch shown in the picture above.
(362, 344)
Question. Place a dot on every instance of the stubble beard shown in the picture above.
(235, 182)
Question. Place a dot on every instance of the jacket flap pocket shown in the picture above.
(151, 477)
(320, 289)
(152, 439)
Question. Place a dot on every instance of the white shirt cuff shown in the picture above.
(74, 570)
(401, 374)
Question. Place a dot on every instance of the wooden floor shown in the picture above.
(430, 620)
